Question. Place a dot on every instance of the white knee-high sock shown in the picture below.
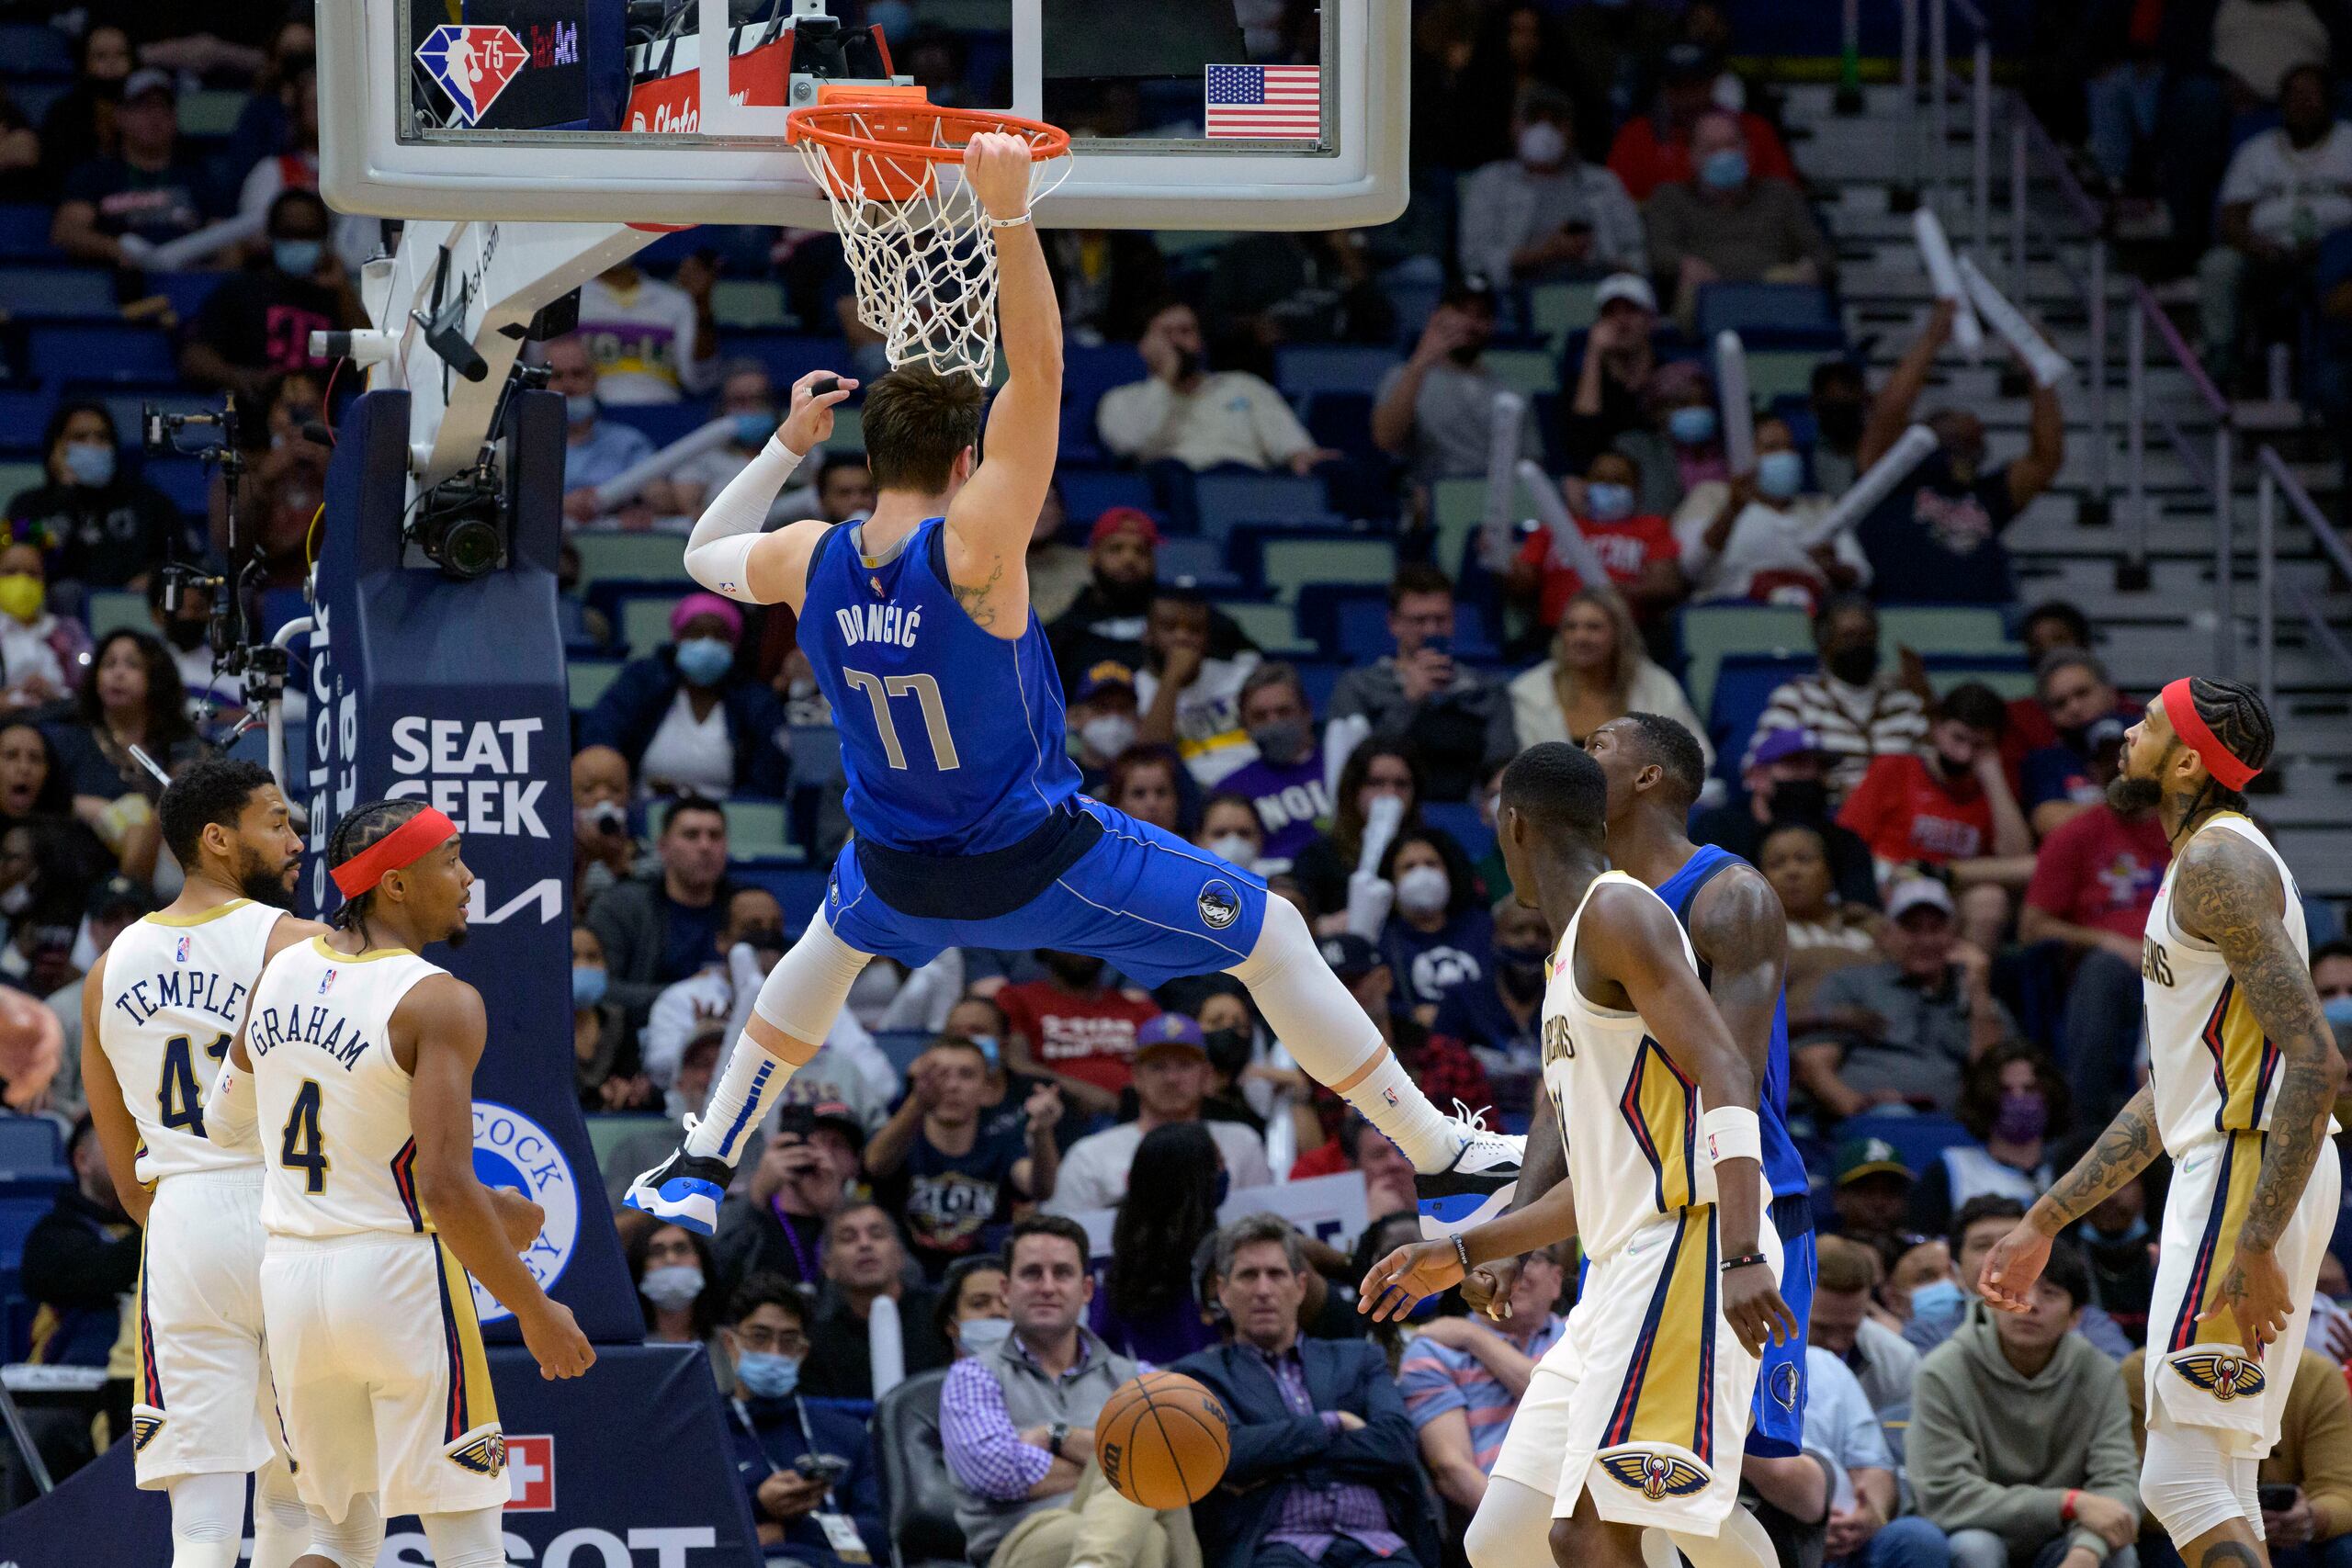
(281, 1524)
(1327, 1034)
(1512, 1528)
(207, 1519)
(801, 996)
(471, 1540)
(1742, 1543)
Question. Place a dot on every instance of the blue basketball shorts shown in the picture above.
(1778, 1428)
(1140, 898)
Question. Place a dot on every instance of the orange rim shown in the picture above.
(824, 124)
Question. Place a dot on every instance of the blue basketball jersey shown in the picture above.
(1783, 1167)
(952, 739)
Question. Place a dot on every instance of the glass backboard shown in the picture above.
(1200, 114)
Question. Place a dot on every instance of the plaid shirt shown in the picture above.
(983, 1450)
(1311, 1517)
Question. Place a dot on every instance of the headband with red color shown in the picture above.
(2180, 708)
(403, 846)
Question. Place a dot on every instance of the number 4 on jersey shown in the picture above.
(301, 1147)
(179, 1097)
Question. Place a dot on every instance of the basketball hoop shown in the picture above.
(917, 240)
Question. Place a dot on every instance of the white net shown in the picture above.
(917, 240)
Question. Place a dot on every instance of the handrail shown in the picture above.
(2058, 171)
(2162, 321)
(2273, 478)
(2306, 508)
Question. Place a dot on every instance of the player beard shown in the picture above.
(264, 886)
(2128, 795)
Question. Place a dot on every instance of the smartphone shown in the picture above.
(2275, 1499)
(830, 1468)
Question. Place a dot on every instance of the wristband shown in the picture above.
(1732, 1132)
(1744, 1260)
(1010, 222)
(1461, 1251)
(2067, 1509)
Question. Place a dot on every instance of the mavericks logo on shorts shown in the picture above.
(2223, 1376)
(1220, 905)
(1784, 1385)
(1654, 1473)
(512, 1150)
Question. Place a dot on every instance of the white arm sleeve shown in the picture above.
(230, 1112)
(718, 552)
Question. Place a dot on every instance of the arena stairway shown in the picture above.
(1861, 166)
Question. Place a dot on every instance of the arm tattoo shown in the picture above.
(2123, 1152)
(2228, 895)
(979, 603)
(1742, 933)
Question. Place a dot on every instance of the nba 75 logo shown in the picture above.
(472, 64)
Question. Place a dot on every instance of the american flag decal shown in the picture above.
(1265, 101)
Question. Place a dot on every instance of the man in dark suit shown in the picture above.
(1323, 1468)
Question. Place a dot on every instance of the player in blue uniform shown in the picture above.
(970, 829)
(1740, 934)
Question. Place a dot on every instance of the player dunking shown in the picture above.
(358, 1058)
(2242, 1072)
(969, 827)
(1739, 933)
(1633, 1419)
(157, 1015)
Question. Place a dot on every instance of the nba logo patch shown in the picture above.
(179, 954)
(1220, 906)
(472, 64)
(325, 981)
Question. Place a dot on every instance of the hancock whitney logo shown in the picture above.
(512, 1150)
(472, 64)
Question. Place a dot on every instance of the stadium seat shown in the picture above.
(211, 111)
(749, 304)
(24, 415)
(918, 1491)
(59, 354)
(1711, 631)
(1226, 500)
(588, 678)
(31, 1146)
(1918, 1140)
(1460, 818)
(1360, 628)
(1944, 628)
(1525, 370)
(817, 779)
(1556, 309)
(755, 828)
(1272, 626)
(903, 1045)
(185, 482)
(35, 49)
(1308, 368)
(1286, 564)
(111, 610)
(188, 291)
(789, 356)
(16, 477)
(649, 556)
(1321, 678)
(23, 232)
(22, 1208)
(1087, 493)
(645, 622)
(1771, 315)
(1197, 563)
(1779, 373)
(1743, 686)
(663, 423)
(58, 294)
(797, 886)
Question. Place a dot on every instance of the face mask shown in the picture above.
(767, 1374)
(1724, 170)
(704, 660)
(21, 597)
(1521, 971)
(1423, 890)
(296, 258)
(1074, 971)
(1108, 735)
(1780, 475)
(673, 1285)
(1840, 423)
(2338, 1011)
(1541, 145)
(1284, 740)
(588, 983)
(1800, 800)
(1228, 1050)
(1609, 502)
(2021, 1118)
(185, 636)
(580, 408)
(1234, 847)
(989, 1048)
(91, 464)
(753, 429)
(1935, 1300)
(1693, 426)
(1854, 665)
(979, 1334)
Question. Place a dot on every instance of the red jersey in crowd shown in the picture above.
(1625, 549)
(2101, 871)
(1904, 813)
(1089, 1037)
(1644, 158)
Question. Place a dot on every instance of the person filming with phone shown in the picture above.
(1203, 419)
(809, 1467)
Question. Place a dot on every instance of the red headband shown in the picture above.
(2189, 725)
(404, 845)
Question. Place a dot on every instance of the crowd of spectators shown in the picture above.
(1038, 1193)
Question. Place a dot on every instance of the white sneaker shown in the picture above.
(1479, 1184)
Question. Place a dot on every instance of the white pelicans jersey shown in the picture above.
(332, 1102)
(178, 987)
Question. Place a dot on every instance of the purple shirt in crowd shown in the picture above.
(1311, 1517)
(1290, 799)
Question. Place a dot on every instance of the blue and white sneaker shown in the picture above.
(684, 1189)
(1478, 1186)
